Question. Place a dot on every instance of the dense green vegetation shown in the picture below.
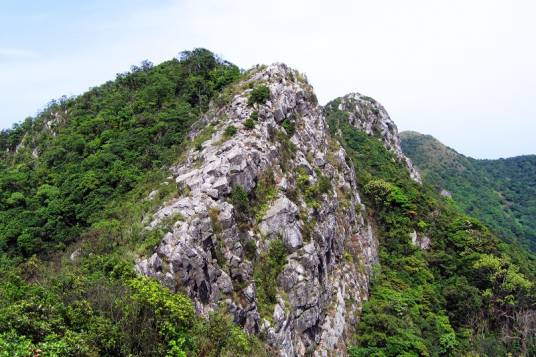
(502, 193)
(267, 268)
(462, 296)
(73, 188)
(94, 148)
(259, 95)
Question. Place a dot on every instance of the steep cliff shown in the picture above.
(298, 189)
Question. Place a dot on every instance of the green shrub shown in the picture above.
(249, 124)
(312, 193)
(259, 95)
(265, 192)
(254, 115)
(289, 126)
(267, 269)
(214, 214)
(230, 131)
(250, 249)
(309, 225)
(174, 314)
(219, 336)
(287, 149)
(239, 198)
(323, 183)
(13, 345)
(385, 194)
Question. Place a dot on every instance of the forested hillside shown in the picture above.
(76, 178)
(334, 247)
(63, 167)
(452, 298)
(502, 193)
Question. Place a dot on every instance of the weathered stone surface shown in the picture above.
(205, 255)
(152, 195)
(281, 220)
(75, 254)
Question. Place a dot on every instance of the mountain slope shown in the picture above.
(193, 209)
(423, 300)
(62, 168)
(279, 185)
(75, 183)
(500, 192)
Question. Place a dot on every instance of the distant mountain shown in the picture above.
(502, 193)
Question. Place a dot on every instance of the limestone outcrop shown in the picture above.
(263, 175)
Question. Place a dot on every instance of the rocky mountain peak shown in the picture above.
(368, 115)
(268, 210)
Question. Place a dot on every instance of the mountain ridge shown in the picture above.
(192, 208)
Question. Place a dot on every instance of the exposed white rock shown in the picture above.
(282, 220)
(420, 241)
(320, 292)
(152, 195)
(445, 193)
(75, 254)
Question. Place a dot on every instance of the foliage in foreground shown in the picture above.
(89, 311)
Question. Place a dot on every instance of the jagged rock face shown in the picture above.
(331, 248)
(370, 116)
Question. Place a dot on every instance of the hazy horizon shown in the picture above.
(461, 72)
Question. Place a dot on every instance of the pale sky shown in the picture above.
(462, 71)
